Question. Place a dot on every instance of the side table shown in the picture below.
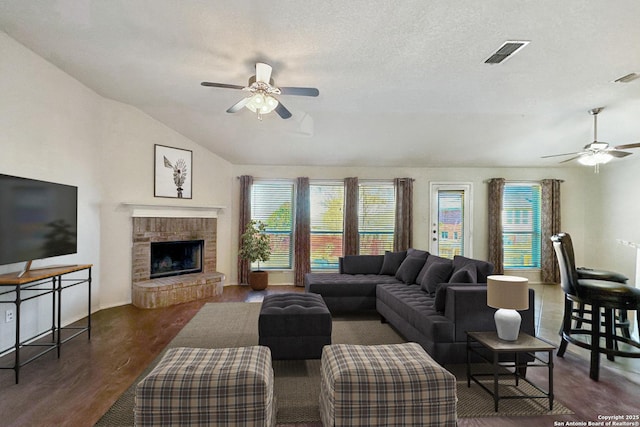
(525, 344)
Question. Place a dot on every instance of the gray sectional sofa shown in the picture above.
(428, 299)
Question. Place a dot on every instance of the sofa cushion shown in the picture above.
(392, 261)
(416, 307)
(361, 264)
(409, 269)
(466, 274)
(437, 272)
(483, 268)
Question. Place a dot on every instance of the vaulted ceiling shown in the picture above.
(402, 83)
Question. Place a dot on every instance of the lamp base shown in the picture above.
(507, 324)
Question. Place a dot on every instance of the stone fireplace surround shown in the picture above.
(167, 291)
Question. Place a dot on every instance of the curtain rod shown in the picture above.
(523, 181)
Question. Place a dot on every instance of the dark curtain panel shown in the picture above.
(244, 266)
(403, 232)
(351, 244)
(550, 225)
(496, 255)
(302, 236)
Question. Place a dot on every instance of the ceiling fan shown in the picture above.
(597, 152)
(261, 87)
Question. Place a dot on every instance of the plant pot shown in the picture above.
(258, 280)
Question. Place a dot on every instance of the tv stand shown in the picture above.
(30, 284)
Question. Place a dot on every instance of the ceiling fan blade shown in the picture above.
(619, 154)
(222, 85)
(558, 155)
(627, 146)
(572, 158)
(239, 105)
(282, 111)
(263, 72)
(301, 91)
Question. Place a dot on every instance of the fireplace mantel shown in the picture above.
(139, 210)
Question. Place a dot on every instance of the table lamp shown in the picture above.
(507, 294)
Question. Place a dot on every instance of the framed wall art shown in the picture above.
(173, 172)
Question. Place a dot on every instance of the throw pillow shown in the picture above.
(466, 274)
(483, 268)
(438, 272)
(431, 259)
(409, 269)
(392, 261)
(417, 252)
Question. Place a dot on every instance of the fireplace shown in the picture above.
(175, 258)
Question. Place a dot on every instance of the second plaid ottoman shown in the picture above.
(385, 385)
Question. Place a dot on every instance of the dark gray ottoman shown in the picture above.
(294, 325)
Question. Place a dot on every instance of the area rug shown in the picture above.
(235, 324)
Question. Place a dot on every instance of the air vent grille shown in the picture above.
(628, 78)
(508, 49)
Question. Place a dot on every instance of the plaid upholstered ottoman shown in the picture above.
(294, 325)
(385, 385)
(206, 387)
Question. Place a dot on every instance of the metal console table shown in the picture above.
(40, 283)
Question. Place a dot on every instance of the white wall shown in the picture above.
(573, 192)
(613, 206)
(127, 170)
(53, 128)
(49, 131)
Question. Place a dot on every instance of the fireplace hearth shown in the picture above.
(176, 258)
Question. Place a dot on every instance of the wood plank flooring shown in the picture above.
(78, 388)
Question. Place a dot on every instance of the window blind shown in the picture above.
(327, 217)
(450, 223)
(521, 225)
(376, 217)
(272, 203)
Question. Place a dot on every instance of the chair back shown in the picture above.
(566, 260)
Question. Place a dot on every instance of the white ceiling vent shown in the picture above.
(628, 78)
(507, 50)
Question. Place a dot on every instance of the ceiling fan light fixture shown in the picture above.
(262, 104)
(594, 159)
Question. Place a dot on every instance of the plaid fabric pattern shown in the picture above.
(386, 385)
(206, 387)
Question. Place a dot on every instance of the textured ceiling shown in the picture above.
(401, 83)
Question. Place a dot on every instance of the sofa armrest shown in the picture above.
(466, 306)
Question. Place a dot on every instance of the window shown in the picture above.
(271, 203)
(376, 217)
(327, 219)
(521, 225)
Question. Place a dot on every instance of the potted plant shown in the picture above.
(255, 247)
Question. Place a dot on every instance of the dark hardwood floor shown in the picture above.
(78, 388)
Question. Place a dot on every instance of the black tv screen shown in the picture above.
(38, 219)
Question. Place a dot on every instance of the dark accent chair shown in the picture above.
(604, 298)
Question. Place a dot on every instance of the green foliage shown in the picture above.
(255, 243)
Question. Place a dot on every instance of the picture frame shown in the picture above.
(173, 172)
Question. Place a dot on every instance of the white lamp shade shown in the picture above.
(508, 292)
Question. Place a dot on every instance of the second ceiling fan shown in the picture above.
(262, 90)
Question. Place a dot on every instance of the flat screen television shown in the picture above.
(38, 219)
